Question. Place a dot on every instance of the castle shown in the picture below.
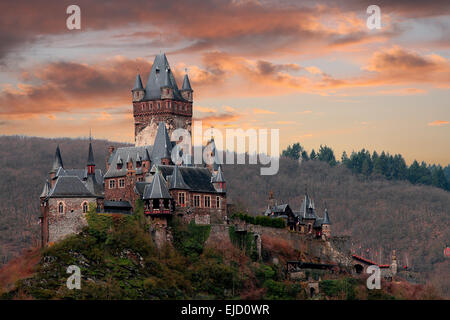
(145, 171)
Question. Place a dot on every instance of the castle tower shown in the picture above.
(161, 100)
(326, 224)
(218, 180)
(90, 162)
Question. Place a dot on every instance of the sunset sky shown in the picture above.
(310, 68)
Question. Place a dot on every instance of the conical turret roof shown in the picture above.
(138, 83)
(45, 190)
(186, 83)
(162, 147)
(326, 219)
(176, 180)
(90, 161)
(157, 189)
(57, 162)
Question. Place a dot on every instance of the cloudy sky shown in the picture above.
(310, 68)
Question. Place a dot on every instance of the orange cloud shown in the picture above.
(438, 123)
(262, 111)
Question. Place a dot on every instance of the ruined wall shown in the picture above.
(336, 250)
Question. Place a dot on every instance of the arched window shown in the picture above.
(61, 208)
(85, 207)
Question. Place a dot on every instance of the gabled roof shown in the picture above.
(80, 173)
(186, 83)
(176, 180)
(94, 187)
(123, 153)
(138, 83)
(57, 161)
(307, 208)
(161, 75)
(157, 189)
(162, 147)
(69, 187)
(197, 178)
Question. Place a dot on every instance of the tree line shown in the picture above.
(392, 167)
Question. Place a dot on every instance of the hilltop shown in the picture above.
(376, 212)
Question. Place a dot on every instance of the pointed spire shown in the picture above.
(177, 181)
(147, 155)
(45, 190)
(157, 189)
(90, 161)
(57, 162)
(160, 76)
(186, 83)
(138, 83)
(162, 147)
(219, 177)
(326, 218)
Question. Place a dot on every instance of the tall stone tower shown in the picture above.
(161, 100)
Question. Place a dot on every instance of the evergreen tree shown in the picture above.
(327, 154)
(293, 152)
(313, 155)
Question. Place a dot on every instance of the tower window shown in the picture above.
(61, 208)
(85, 207)
(217, 202)
(159, 105)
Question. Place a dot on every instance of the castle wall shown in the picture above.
(336, 250)
(147, 117)
(71, 221)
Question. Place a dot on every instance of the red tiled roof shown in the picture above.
(370, 261)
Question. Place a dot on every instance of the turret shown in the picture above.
(218, 180)
(326, 224)
(186, 90)
(138, 91)
(90, 161)
(157, 199)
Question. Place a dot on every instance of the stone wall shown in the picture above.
(336, 250)
(71, 221)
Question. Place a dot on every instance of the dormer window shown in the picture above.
(157, 70)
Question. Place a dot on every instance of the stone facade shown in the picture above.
(71, 221)
(147, 117)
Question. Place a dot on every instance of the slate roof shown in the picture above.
(45, 190)
(138, 83)
(69, 187)
(162, 147)
(80, 173)
(326, 219)
(307, 209)
(157, 189)
(123, 153)
(117, 204)
(186, 83)
(218, 177)
(176, 180)
(197, 178)
(90, 161)
(57, 161)
(161, 75)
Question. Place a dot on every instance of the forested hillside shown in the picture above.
(378, 213)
